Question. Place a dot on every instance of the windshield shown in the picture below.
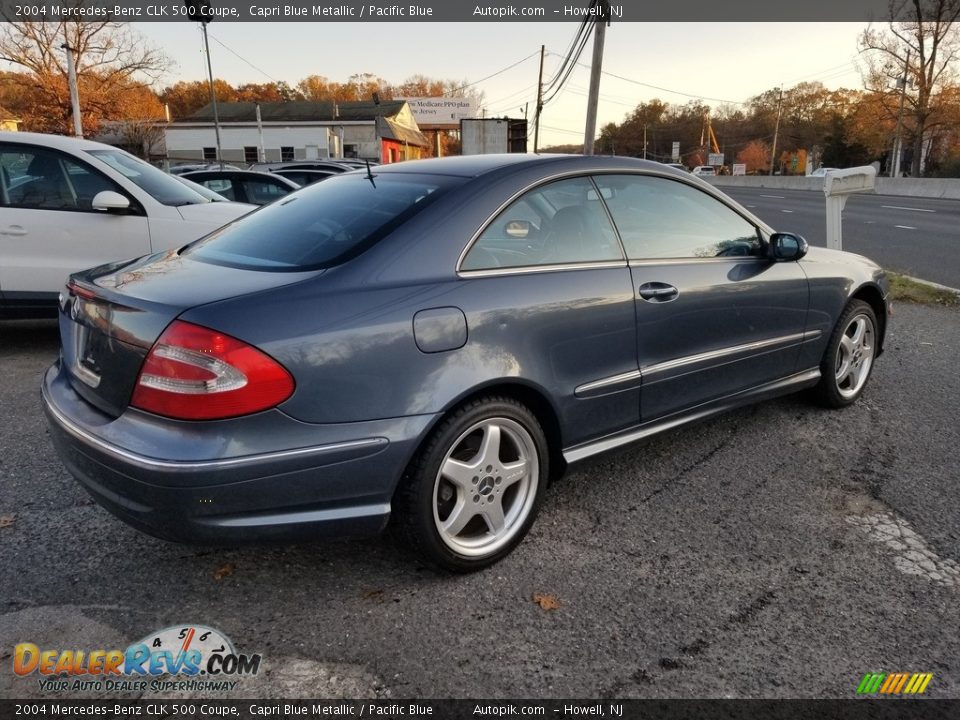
(162, 187)
(324, 224)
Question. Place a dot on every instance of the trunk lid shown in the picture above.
(111, 315)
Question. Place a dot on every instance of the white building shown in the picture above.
(298, 130)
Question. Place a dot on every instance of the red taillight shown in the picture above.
(195, 373)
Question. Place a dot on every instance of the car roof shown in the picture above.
(59, 142)
(474, 165)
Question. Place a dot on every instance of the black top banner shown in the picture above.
(455, 10)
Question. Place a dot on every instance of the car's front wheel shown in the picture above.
(848, 360)
(475, 487)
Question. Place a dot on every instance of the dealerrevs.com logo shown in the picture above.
(177, 658)
(894, 683)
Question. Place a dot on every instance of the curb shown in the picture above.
(928, 283)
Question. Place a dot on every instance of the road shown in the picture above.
(915, 236)
(777, 551)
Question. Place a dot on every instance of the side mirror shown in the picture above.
(784, 247)
(111, 202)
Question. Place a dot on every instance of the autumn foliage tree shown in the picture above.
(114, 66)
(756, 156)
(922, 44)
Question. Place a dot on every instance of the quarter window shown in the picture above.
(560, 223)
(660, 218)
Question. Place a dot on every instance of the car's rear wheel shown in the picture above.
(848, 360)
(475, 487)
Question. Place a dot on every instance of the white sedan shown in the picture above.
(67, 204)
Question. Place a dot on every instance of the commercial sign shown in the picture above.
(675, 151)
(715, 159)
(441, 113)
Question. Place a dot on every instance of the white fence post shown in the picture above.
(838, 185)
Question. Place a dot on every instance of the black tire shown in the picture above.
(836, 392)
(427, 510)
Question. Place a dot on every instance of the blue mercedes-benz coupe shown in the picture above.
(432, 341)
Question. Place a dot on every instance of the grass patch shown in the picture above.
(904, 289)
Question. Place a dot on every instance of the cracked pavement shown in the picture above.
(781, 550)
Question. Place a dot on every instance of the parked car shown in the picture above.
(68, 204)
(256, 188)
(433, 342)
(200, 189)
(704, 171)
(821, 171)
(193, 167)
(677, 166)
(304, 176)
(332, 166)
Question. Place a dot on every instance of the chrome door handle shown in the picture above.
(15, 230)
(658, 292)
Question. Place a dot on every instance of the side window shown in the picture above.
(262, 192)
(223, 186)
(661, 218)
(560, 223)
(41, 179)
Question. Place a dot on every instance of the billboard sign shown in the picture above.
(715, 159)
(441, 113)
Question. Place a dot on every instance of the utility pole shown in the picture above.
(536, 117)
(213, 94)
(599, 32)
(644, 142)
(74, 92)
(199, 10)
(776, 131)
(897, 149)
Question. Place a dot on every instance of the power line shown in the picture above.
(498, 72)
(234, 52)
(663, 89)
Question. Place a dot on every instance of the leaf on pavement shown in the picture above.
(225, 570)
(373, 595)
(546, 602)
(7, 520)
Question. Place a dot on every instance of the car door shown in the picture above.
(48, 227)
(714, 316)
(550, 294)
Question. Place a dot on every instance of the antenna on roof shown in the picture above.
(370, 174)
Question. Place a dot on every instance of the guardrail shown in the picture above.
(946, 189)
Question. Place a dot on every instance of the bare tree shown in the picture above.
(112, 60)
(922, 43)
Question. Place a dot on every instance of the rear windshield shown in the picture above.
(322, 225)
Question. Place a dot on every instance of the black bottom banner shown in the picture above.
(861, 709)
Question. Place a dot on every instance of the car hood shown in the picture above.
(214, 214)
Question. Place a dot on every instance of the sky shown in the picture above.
(712, 62)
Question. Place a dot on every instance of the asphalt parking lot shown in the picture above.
(778, 551)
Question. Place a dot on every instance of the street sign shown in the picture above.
(675, 151)
(739, 169)
(715, 159)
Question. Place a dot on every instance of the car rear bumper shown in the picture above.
(266, 476)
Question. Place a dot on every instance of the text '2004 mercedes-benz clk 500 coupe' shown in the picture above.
(429, 343)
